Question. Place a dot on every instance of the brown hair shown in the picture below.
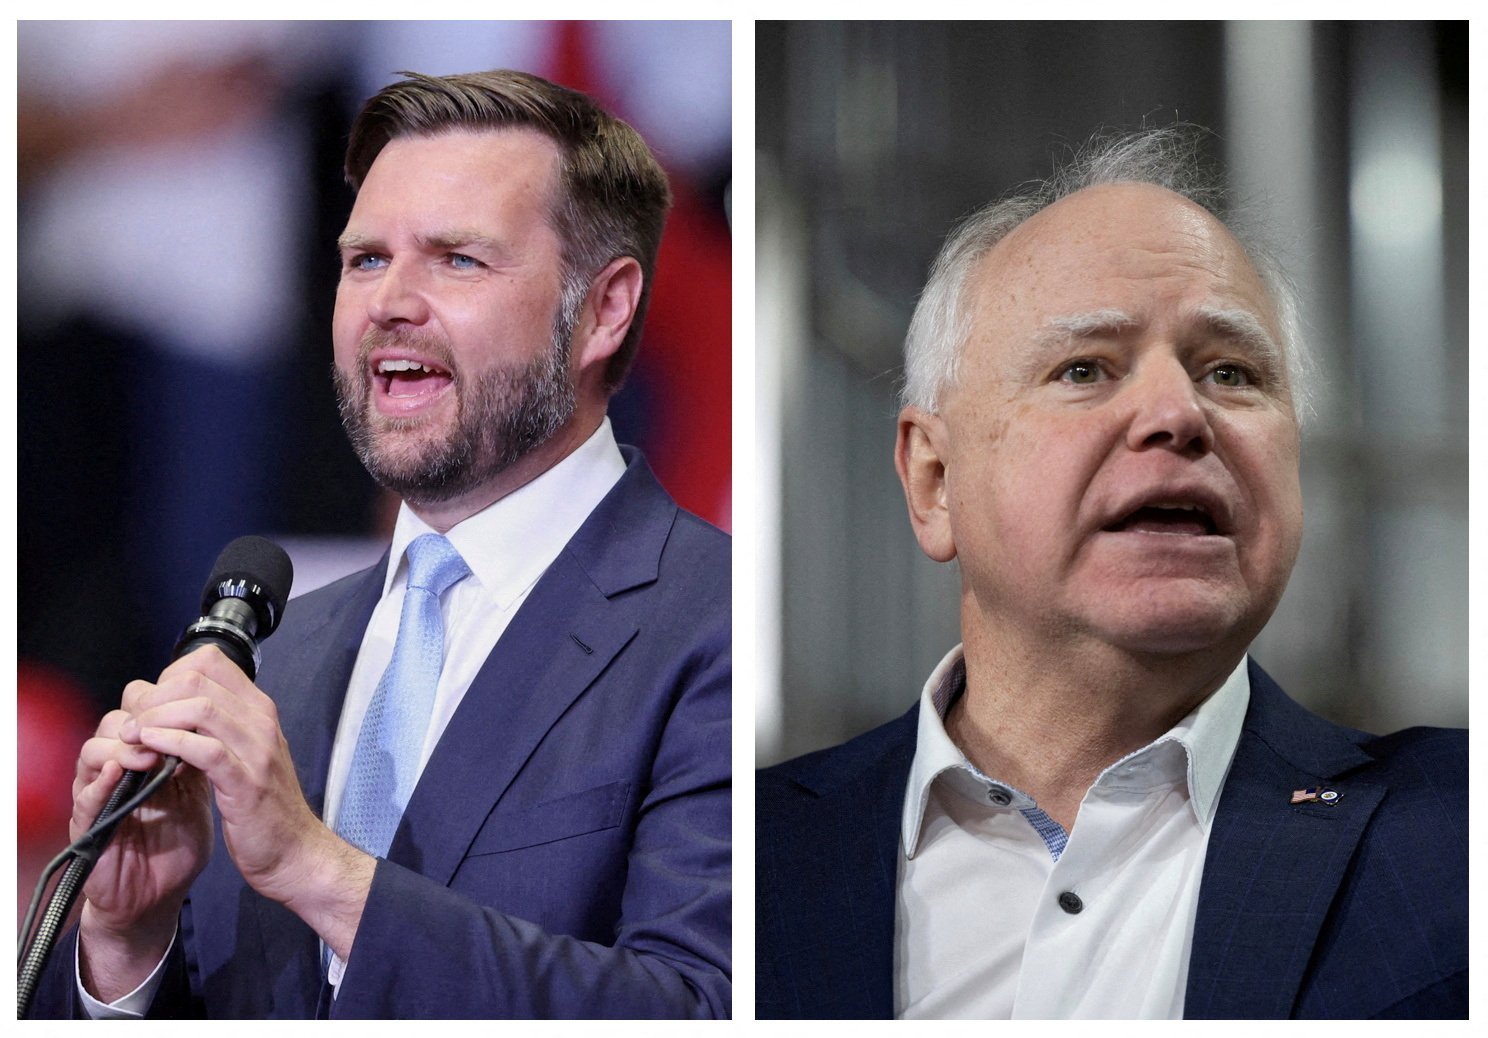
(613, 194)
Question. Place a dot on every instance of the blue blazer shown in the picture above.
(1356, 909)
(566, 852)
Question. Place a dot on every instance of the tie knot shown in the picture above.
(434, 564)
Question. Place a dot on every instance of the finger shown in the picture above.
(89, 801)
(212, 664)
(108, 728)
(203, 752)
(86, 776)
(174, 685)
(110, 723)
(97, 750)
(215, 717)
(249, 735)
(193, 699)
(140, 695)
(133, 693)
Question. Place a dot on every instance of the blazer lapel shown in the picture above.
(1272, 867)
(842, 911)
(560, 641)
(319, 666)
(869, 894)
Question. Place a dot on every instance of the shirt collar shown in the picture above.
(1208, 736)
(511, 542)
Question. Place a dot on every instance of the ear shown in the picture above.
(611, 305)
(920, 453)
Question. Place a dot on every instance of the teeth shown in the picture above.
(402, 365)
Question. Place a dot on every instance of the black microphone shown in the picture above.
(241, 606)
(242, 602)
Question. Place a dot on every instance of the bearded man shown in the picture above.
(489, 776)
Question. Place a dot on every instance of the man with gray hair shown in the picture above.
(1100, 806)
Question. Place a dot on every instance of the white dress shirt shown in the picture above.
(507, 546)
(1001, 914)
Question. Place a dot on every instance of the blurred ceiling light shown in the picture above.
(1396, 197)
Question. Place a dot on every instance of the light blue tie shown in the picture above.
(388, 747)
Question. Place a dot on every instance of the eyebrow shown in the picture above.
(1245, 329)
(1056, 334)
(350, 241)
(456, 238)
(1240, 327)
(1093, 324)
(450, 239)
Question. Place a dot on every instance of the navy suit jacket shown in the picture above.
(566, 852)
(1355, 909)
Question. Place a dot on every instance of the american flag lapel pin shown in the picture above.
(1315, 795)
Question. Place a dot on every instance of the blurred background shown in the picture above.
(873, 139)
(180, 193)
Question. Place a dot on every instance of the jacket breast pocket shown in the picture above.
(514, 826)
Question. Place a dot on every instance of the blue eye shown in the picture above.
(462, 262)
(1081, 373)
(366, 261)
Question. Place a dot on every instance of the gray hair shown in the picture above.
(1167, 157)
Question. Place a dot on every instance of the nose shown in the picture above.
(1168, 411)
(397, 298)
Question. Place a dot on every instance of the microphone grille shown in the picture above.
(256, 570)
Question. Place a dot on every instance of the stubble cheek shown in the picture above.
(346, 331)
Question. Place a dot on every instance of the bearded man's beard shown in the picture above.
(500, 417)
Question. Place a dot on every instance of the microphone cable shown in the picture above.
(241, 605)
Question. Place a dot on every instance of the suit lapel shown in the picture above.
(1273, 868)
(850, 877)
(319, 668)
(869, 894)
(560, 641)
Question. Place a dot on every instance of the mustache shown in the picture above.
(427, 344)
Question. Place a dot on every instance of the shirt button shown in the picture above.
(999, 796)
(1070, 902)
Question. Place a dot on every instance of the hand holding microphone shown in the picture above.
(205, 710)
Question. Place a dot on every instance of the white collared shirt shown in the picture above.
(507, 546)
(983, 927)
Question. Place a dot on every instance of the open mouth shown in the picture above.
(1184, 520)
(403, 379)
